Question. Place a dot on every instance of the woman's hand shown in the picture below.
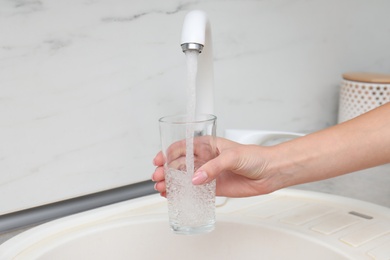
(240, 170)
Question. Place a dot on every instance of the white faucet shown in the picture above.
(196, 35)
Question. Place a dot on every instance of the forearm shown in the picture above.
(360, 143)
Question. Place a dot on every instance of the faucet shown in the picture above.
(196, 35)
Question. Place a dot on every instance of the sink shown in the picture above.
(287, 224)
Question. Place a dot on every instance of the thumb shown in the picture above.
(210, 170)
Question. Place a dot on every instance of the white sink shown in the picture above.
(287, 224)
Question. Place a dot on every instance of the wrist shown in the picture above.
(286, 166)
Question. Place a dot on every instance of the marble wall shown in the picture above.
(82, 83)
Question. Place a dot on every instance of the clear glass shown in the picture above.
(186, 146)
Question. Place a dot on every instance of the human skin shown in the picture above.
(248, 170)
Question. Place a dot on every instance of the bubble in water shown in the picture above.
(189, 205)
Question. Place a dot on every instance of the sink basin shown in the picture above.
(287, 224)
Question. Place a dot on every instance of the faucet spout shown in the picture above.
(194, 31)
(196, 35)
(187, 46)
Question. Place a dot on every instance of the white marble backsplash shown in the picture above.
(83, 83)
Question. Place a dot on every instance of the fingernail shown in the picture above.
(199, 177)
(155, 186)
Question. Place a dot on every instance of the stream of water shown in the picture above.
(192, 69)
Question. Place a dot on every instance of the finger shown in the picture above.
(204, 149)
(158, 174)
(176, 150)
(160, 187)
(159, 159)
(210, 170)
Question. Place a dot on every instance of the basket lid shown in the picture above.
(367, 77)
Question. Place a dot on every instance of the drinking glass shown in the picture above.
(188, 143)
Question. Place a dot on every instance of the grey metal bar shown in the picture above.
(52, 211)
